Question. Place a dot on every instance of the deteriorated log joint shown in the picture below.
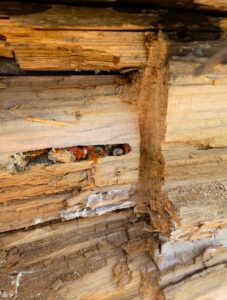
(152, 106)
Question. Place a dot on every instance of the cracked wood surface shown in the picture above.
(67, 260)
(66, 38)
(92, 107)
(42, 112)
(182, 172)
(194, 151)
(57, 37)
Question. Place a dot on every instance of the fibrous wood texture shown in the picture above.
(70, 38)
(69, 260)
(149, 224)
(195, 150)
(74, 39)
(55, 112)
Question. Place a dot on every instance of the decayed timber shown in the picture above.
(51, 112)
(193, 270)
(65, 191)
(48, 250)
(52, 37)
(44, 112)
(192, 195)
(194, 152)
(99, 258)
(49, 41)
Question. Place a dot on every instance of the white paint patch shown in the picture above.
(99, 203)
(37, 220)
(178, 252)
(79, 213)
(108, 208)
(17, 281)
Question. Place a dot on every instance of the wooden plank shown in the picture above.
(41, 16)
(67, 190)
(189, 267)
(192, 278)
(52, 50)
(201, 110)
(53, 37)
(78, 259)
(45, 112)
(195, 184)
(183, 256)
(196, 286)
(194, 151)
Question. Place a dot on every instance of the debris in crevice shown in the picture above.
(22, 161)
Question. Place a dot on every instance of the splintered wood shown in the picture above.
(85, 254)
(112, 187)
(91, 108)
(195, 150)
(68, 41)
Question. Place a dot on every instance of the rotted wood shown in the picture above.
(67, 38)
(53, 38)
(152, 105)
(58, 112)
(86, 110)
(67, 260)
(195, 150)
(187, 268)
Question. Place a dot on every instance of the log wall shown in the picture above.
(149, 223)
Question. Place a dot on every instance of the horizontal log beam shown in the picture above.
(45, 112)
(69, 258)
(65, 191)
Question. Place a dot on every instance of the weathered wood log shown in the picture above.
(99, 258)
(49, 41)
(188, 268)
(43, 112)
(195, 152)
(52, 37)
(66, 191)
(59, 112)
(182, 140)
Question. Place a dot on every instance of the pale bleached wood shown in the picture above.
(45, 112)
(195, 184)
(87, 260)
(45, 190)
(187, 164)
(48, 112)
(208, 284)
(190, 267)
(197, 110)
(195, 174)
(182, 255)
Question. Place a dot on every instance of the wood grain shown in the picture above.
(66, 260)
(45, 112)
